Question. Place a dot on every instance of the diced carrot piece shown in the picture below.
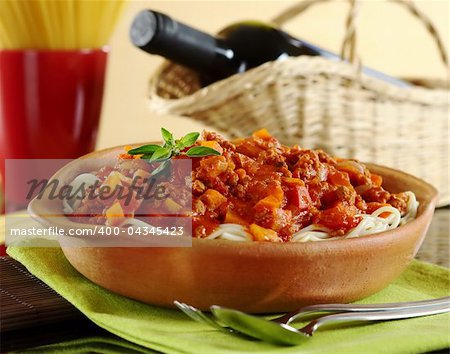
(212, 199)
(262, 234)
(172, 205)
(114, 211)
(213, 145)
(114, 215)
(213, 166)
(262, 133)
(270, 201)
(376, 179)
(142, 174)
(277, 192)
(233, 218)
(114, 179)
(293, 181)
(237, 141)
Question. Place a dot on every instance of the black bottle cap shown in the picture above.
(159, 34)
(143, 28)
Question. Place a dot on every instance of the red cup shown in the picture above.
(50, 102)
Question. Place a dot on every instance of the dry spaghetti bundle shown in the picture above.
(57, 24)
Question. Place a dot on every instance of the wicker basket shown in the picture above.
(318, 103)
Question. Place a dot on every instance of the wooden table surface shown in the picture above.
(436, 247)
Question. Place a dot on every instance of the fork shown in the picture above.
(279, 331)
(200, 316)
(284, 334)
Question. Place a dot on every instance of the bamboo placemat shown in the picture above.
(26, 302)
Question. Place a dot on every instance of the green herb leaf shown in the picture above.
(162, 153)
(188, 140)
(167, 136)
(144, 149)
(146, 156)
(161, 168)
(199, 151)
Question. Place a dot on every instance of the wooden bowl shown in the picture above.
(256, 277)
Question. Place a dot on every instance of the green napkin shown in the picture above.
(90, 345)
(170, 331)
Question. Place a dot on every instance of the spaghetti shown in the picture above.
(57, 24)
(369, 225)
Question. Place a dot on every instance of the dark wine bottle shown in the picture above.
(236, 49)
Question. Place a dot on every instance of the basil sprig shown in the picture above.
(172, 147)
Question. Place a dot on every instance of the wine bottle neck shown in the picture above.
(159, 34)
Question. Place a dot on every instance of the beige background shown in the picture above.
(390, 40)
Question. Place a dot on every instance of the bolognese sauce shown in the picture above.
(273, 191)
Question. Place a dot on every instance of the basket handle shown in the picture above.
(348, 47)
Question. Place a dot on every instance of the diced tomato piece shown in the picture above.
(371, 207)
(339, 217)
(299, 197)
(266, 214)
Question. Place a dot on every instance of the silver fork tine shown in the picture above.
(311, 327)
(183, 308)
(201, 317)
(308, 310)
(188, 311)
(198, 316)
